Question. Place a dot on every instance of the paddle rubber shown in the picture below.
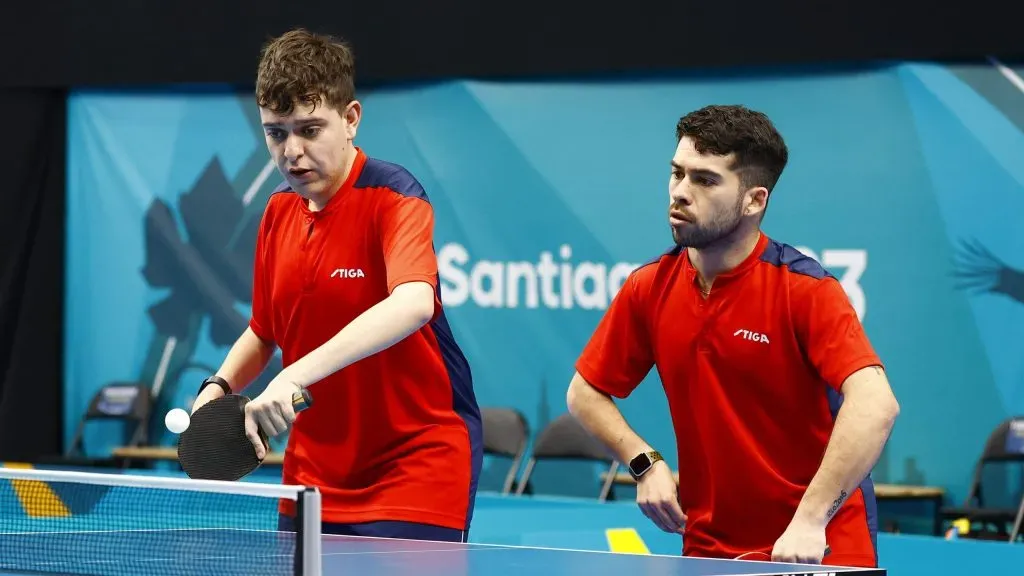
(215, 447)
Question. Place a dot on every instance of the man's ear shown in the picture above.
(352, 115)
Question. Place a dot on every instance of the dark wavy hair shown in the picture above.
(301, 66)
(761, 153)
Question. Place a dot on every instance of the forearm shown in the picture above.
(388, 322)
(246, 359)
(599, 415)
(861, 430)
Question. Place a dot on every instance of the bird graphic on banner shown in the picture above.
(978, 270)
(205, 271)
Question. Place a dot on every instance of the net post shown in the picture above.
(308, 560)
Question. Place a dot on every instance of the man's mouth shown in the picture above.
(300, 172)
(676, 217)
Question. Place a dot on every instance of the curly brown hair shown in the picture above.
(761, 153)
(302, 66)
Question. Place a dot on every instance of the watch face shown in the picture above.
(640, 464)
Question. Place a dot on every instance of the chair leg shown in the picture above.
(510, 478)
(1017, 523)
(525, 477)
(609, 481)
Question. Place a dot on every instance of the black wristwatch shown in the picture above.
(639, 465)
(215, 380)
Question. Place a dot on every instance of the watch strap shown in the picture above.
(215, 380)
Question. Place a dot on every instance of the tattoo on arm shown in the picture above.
(836, 504)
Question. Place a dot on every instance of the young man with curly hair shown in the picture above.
(779, 404)
(346, 284)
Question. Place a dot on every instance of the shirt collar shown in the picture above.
(738, 271)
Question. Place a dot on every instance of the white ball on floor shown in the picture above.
(176, 420)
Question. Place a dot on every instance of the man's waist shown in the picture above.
(729, 533)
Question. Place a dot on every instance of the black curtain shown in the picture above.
(32, 233)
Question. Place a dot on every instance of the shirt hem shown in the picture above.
(429, 279)
(854, 365)
(259, 331)
(588, 373)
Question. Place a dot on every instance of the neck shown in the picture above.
(723, 256)
(318, 202)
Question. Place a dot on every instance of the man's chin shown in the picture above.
(307, 189)
(695, 241)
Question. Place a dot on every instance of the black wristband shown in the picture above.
(215, 380)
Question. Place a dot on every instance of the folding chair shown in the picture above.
(505, 434)
(565, 439)
(126, 401)
(1004, 447)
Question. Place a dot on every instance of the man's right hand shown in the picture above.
(658, 498)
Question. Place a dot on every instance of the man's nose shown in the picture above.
(680, 194)
(292, 148)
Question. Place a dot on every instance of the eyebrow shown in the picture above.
(710, 174)
(302, 122)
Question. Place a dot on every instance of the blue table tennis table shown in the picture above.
(347, 555)
(230, 552)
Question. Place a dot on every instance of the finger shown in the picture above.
(288, 412)
(780, 553)
(269, 419)
(252, 432)
(275, 421)
(651, 511)
(666, 517)
(676, 514)
(783, 557)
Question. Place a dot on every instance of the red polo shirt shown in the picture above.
(752, 375)
(397, 435)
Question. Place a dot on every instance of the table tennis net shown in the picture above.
(62, 522)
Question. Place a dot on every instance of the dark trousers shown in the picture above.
(384, 529)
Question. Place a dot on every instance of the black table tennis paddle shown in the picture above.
(215, 447)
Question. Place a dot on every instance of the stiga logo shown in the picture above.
(348, 273)
(752, 336)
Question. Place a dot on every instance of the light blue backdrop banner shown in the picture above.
(546, 196)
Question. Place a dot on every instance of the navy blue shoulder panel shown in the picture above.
(779, 254)
(381, 174)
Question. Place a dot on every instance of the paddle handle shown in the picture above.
(301, 400)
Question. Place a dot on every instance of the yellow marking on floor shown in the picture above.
(626, 540)
(36, 497)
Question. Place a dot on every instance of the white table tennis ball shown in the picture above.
(176, 420)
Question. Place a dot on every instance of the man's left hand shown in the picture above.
(272, 410)
(803, 542)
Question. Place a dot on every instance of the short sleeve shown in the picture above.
(407, 237)
(619, 354)
(260, 320)
(831, 334)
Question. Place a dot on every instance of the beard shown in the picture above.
(703, 234)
